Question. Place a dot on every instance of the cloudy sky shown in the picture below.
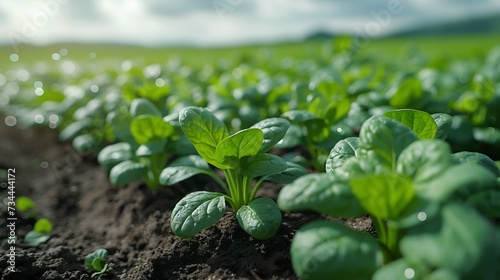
(219, 22)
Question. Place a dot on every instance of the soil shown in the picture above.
(131, 222)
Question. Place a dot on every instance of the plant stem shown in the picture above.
(393, 240)
(381, 229)
(247, 183)
(255, 189)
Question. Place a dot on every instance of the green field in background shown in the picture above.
(450, 46)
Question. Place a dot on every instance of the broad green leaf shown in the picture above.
(197, 211)
(343, 150)
(476, 158)
(331, 250)
(337, 110)
(146, 128)
(85, 143)
(486, 202)
(292, 138)
(320, 192)
(154, 146)
(424, 160)
(262, 164)
(119, 123)
(191, 160)
(113, 154)
(261, 218)
(75, 129)
(434, 243)
(298, 116)
(406, 94)
(126, 172)
(420, 122)
(464, 179)
(383, 195)
(244, 143)
(385, 139)
(402, 269)
(43, 226)
(443, 122)
(176, 174)
(34, 238)
(292, 172)
(203, 130)
(274, 130)
(143, 106)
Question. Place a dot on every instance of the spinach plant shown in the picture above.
(316, 127)
(144, 151)
(95, 262)
(40, 233)
(422, 200)
(241, 157)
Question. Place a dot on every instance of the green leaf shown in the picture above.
(434, 243)
(401, 269)
(337, 110)
(191, 160)
(143, 106)
(244, 143)
(113, 154)
(262, 164)
(90, 263)
(146, 128)
(443, 122)
(406, 94)
(43, 226)
(24, 204)
(85, 143)
(292, 172)
(261, 218)
(424, 160)
(330, 250)
(385, 139)
(119, 123)
(197, 211)
(274, 130)
(465, 178)
(383, 195)
(343, 150)
(126, 172)
(153, 147)
(292, 138)
(320, 192)
(176, 174)
(34, 238)
(476, 158)
(203, 130)
(74, 129)
(419, 122)
(298, 116)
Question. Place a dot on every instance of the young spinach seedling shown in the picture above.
(95, 262)
(40, 233)
(242, 157)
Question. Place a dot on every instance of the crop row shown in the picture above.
(404, 142)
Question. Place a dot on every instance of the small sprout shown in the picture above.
(95, 262)
(40, 233)
(26, 206)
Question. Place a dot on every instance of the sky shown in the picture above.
(219, 22)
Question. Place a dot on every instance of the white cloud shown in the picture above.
(213, 22)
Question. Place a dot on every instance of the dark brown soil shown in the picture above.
(131, 222)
